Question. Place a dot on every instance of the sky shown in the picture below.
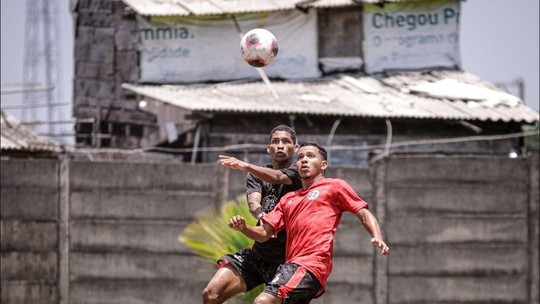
(12, 50)
(499, 42)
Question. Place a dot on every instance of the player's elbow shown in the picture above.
(262, 237)
(282, 178)
(265, 233)
(364, 215)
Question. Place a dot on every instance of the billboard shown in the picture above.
(411, 35)
(199, 49)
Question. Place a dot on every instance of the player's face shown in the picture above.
(281, 146)
(310, 162)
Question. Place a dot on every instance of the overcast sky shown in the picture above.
(499, 42)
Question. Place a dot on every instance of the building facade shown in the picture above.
(359, 76)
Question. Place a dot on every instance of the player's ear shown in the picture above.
(295, 148)
(268, 149)
(324, 165)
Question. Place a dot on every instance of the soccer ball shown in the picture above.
(259, 47)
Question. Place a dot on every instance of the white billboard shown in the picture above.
(198, 49)
(411, 35)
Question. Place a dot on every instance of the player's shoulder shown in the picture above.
(333, 180)
(337, 183)
(290, 194)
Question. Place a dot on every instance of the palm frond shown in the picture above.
(209, 237)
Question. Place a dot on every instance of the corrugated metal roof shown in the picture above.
(347, 95)
(20, 138)
(224, 7)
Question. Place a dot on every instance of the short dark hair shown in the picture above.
(285, 129)
(321, 149)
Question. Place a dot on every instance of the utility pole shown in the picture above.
(512, 85)
(41, 57)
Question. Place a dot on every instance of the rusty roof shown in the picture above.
(447, 95)
(225, 7)
(19, 138)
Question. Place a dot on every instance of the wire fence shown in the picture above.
(247, 146)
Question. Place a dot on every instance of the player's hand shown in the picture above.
(381, 244)
(237, 223)
(232, 162)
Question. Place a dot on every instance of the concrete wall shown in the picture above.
(29, 228)
(124, 223)
(460, 230)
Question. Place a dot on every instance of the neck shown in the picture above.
(281, 164)
(307, 182)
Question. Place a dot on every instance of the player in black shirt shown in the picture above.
(265, 185)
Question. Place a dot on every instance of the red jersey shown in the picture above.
(311, 217)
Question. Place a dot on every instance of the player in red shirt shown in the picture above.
(311, 216)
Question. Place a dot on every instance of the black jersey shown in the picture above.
(273, 250)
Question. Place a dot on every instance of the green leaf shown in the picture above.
(209, 237)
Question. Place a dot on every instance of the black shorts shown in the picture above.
(295, 284)
(251, 267)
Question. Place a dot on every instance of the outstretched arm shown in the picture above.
(257, 233)
(372, 226)
(269, 175)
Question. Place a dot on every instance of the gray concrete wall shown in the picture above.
(29, 228)
(460, 230)
(125, 219)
